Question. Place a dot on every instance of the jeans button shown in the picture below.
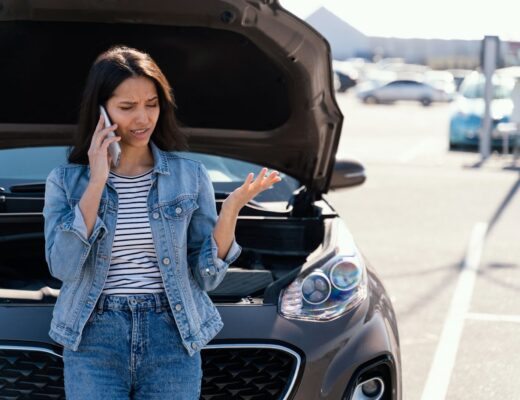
(133, 301)
(166, 261)
(155, 215)
(178, 307)
(194, 346)
(178, 210)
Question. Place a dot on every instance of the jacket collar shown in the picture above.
(160, 161)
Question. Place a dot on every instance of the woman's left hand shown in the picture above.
(243, 194)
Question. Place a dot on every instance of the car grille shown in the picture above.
(29, 374)
(230, 373)
(254, 373)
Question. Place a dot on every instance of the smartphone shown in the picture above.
(113, 148)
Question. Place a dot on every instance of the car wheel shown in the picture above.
(371, 100)
(459, 147)
(426, 101)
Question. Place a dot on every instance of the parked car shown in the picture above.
(345, 81)
(347, 74)
(305, 315)
(403, 90)
(459, 75)
(442, 80)
(467, 111)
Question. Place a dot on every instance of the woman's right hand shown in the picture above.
(98, 155)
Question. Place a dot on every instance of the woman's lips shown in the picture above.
(140, 133)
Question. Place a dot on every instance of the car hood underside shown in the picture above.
(251, 81)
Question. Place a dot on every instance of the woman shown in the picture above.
(137, 245)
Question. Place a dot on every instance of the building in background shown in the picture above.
(348, 42)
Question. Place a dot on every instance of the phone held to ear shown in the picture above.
(113, 148)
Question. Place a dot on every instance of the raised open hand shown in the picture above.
(249, 189)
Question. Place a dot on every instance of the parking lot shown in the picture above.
(443, 231)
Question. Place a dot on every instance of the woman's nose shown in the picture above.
(142, 116)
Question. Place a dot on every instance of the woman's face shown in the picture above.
(134, 107)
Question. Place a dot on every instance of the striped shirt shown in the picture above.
(133, 266)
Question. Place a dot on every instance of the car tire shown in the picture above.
(458, 147)
(426, 101)
(371, 100)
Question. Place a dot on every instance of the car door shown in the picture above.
(412, 90)
(390, 92)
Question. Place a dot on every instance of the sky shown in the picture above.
(443, 19)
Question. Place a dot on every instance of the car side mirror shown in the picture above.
(347, 173)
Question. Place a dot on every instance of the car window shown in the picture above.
(404, 83)
(474, 88)
(226, 173)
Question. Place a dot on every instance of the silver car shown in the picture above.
(402, 90)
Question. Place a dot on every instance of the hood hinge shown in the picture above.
(301, 203)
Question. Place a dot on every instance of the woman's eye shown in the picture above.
(129, 108)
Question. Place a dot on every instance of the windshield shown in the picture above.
(33, 164)
(474, 88)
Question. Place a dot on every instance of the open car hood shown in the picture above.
(251, 80)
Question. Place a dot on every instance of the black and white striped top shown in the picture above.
(133, 267)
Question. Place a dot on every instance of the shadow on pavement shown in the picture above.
(503, 206)
(433, 291)
(504, 284)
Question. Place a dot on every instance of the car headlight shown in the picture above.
(326, 292)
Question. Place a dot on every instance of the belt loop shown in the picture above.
(101, 303)
(157, 302)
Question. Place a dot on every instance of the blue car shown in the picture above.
(468, 111)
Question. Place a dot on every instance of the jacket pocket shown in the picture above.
(177, 215)
(180, 209)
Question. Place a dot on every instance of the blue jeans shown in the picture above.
(131, 349)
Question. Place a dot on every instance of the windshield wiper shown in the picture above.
(33, 187)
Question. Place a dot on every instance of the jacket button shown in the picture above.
(194, 346)
(178, 210)
(178, 307)
(155, 215)
(166, 261)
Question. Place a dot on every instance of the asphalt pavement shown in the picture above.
(443, 230)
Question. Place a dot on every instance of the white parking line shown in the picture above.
(493, 317)
(444, 360)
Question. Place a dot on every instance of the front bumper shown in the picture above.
(465, 132)
(258, 352)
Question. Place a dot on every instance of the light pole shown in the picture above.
(490, 50)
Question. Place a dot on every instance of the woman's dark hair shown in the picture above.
(109, 70)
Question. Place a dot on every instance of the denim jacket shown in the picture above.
(182, 212)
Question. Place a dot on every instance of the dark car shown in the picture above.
(305, 315)
(345, 81)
